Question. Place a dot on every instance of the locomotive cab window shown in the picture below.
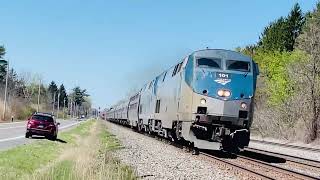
(238, 65)
(209, 63)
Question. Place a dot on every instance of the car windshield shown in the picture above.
(209, 62)
(235, 65)
(42, 118)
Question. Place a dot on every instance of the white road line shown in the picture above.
(20, 137)
(12, 122)
(1, 124)
(12, 127)
(25, 122)
(10, 139)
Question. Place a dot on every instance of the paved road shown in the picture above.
(13, 134)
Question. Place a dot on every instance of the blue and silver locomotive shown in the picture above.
(206, 99)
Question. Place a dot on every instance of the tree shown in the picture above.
(281, 34)
(53, 89)
(274, 36)
(3, 67)
(63, 96)
(309, 42)
(295, 23)
(2, 51)
(249, 50)
(78, 95)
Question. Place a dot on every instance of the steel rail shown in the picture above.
(286, 145)
(236, 166)
(280, 169)
(290, 158)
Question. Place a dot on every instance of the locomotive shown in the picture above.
(206, 100)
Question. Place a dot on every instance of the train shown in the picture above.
(206, 100)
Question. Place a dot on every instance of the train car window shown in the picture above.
(235, 65)
(150, 85)
(175, 70)
(157, 110)
(164, 76)
(209, 62)
(179, 67)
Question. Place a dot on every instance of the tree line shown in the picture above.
(23, 91)
(287, 100)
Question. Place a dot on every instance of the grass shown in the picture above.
(88, 154)
(93, 159)
(25, 159)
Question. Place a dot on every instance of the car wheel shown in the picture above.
(28, 135)
(52, 137)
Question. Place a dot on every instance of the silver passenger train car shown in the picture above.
(206, 99)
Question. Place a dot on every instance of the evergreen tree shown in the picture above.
(2, 52)
(295, 22)
(78, 95)
(3, 67)
(281, 34)
(63, 96)
(53, 91)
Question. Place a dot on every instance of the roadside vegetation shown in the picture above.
(287, 103)
(23, 91)
(84, 152)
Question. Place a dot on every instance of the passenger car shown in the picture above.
(42, 124)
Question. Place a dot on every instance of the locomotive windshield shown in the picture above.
(235, 65)
(209, 62)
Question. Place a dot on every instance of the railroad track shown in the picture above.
(286, 145)
(289, 158)
(248, 167)
(258, 169)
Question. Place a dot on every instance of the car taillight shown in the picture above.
(30, 123)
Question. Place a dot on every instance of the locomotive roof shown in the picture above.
(222, 53)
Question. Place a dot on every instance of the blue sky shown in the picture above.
(112, 47)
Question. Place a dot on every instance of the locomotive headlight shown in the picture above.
(244, 105)
(221, 92)
(203, 101)
(224, 93)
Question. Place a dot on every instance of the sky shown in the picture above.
(112, 48)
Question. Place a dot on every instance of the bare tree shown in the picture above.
(309, 71)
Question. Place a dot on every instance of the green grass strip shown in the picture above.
(25, 159)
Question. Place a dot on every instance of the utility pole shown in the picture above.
(64, 106)
(5, 92)
(58, 105)
(54, 102)
(39, 92)
(71, 109)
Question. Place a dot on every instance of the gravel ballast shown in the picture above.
(154, 159)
